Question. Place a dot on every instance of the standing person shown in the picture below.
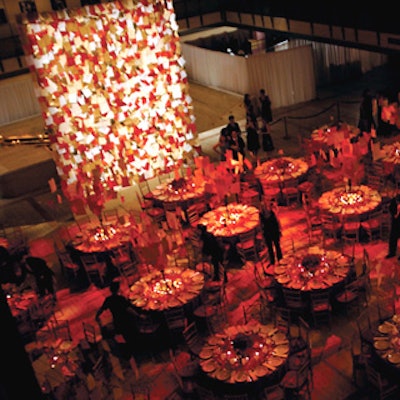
(232, 126)
(265, 107)
(43, 274)
(236, 144)
(222, 145)
(253, 141)
(211, 248)
(366, 118)
(267, 143)
(272, 232)
(394, 210)
(11, 270)
(124, 316)
(249, 107)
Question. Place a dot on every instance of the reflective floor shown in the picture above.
(40, 216)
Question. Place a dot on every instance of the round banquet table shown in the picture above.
(231, 220)
(312, 269)
(387, 347)
(358, 200)
(331, 136)
(276, 171)
(183, 192)
(391, 159)
(244, 358)
(101, 239)
(172, 287)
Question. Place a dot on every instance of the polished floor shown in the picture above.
(40, 217)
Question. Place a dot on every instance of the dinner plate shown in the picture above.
(341, 272)
(222, 374)
(206, 353)
(209, 365)
(281, 350)
(314, 284)
(385, 328)
(240, 376)
(279, 270)
(213, 340)
(396, 318)
(283, 279)
(381, 344)
(296, 285)
(394, 358)
(261, 370)
(275, 361)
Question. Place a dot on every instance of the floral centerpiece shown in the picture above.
(178, 184)
(242, 342)
(351, 198)
(311, 262)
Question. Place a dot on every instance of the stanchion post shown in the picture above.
(286, 137)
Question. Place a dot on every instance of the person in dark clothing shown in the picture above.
(394, 210)
(366, 118)
(266, 138)
(237, 145)
(43, 274)
(272, 232)
(253, 141)
(250, 112)
(211, 248)
(10, 268)
(232, 126)
(124, 316)
(265, 107)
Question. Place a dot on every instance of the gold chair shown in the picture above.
(122, 254)
(321, 308)
(194, 341)
(297, 383)
(290, 192)
(382, 386)
(185, 371)
(61, 329)
(373, 225)
(94, 267)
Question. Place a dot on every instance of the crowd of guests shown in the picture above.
(15, 269)
(379, 112)
(257, 131)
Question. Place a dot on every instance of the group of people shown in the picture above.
(231, 135)
(14, 269)
(272, 233)
(380, 112)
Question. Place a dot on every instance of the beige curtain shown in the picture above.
(287, 76)
(329, 57)
(18, 99)
(216, 69)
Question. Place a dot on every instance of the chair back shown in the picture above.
(373, 376)
(61, 329)
(293, 298)
(175, 318)
(89, 332)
